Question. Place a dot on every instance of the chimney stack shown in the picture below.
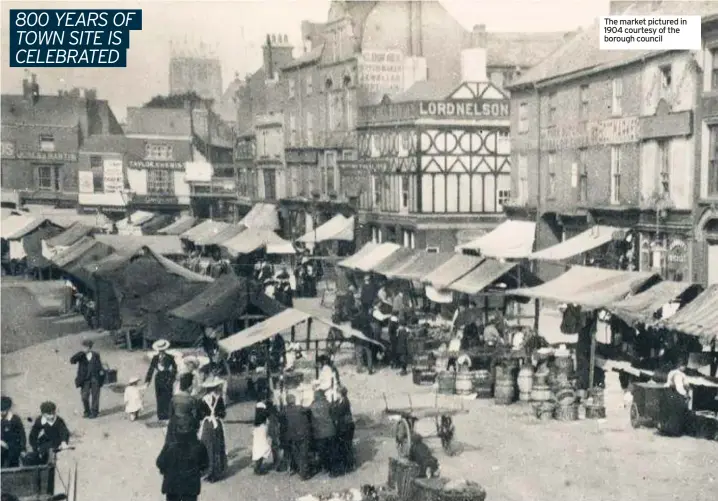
(473, 59)
(276, 53)
(479, 36)
(34, 89)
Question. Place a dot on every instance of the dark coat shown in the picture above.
(13, 434)
(297, 422)
(185, 413)
(181, 464)
(342, 411)
(44, 437)
(322, 420)
(168, 361)
(88, 370)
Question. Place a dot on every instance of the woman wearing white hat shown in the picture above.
(166, 368)
(213, 410)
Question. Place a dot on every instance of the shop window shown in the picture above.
(713, 161)
(552, 109)
(523, 118)
(664, 166)
(45, 177)
(617, 97)
(582, 176)
(615, 175)
(583, 105)
(160, 181)
(155, 151)
(98, 174)
(551, 191)
(47, 142)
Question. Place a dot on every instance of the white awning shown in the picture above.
(137, 218)
(262, 216)
(13, 224)
(251, 240)
(377, 255)
(583, 242)
(509, 240)
(337, 228)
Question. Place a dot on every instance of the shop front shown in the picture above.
(40, 177)
(158, 186)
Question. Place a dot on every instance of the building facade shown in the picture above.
(603, 138)
(269, 160)
(245, 152)
(41, 141)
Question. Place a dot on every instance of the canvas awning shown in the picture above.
(254, 239)
(374, 257)
(590, 287)
(485, 274)
(418, 268)
(223, 300)
(358, 255)
(452, 270)
(395, 261)
(137, 218)
(583, 242)
(337, 228)
(165, 245)
(87, 249)
(21, 230)
(204, 230)
(699, 318)
(510, 240)
(262, 216)
(183, 224)
(222, 235)
(68, 237)
(642, 307)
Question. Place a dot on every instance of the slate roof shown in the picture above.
(158, 121)
(310, 57)
(55, 111)
(428, 91)
(522, 49)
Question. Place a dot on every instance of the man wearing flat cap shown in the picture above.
(13, 435)
(90, 377)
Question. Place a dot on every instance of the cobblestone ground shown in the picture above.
(515, 457)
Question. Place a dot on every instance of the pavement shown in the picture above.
(504, 448)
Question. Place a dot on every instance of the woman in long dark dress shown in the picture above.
(213, 411)
(166, 368)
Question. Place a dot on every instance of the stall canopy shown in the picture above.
(483, 275)
(223, 300)
(166, 245)
(135, 220)
(254, 239)
(452, 270)
(699, 318)
(82, 251)
(376, 256)
(153, 225)
(206, 227)
(51, 247)
(13, 223)
(418, 268)
(642, 308)
(591, 287)
(583, 242)
(337, 228)
(395, 261)
(277, 324)
(510, 240)
(26, 241)
(181, 225)
(223, 234)
(264, 216)
(358, 255)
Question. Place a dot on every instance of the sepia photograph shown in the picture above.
(352, 250)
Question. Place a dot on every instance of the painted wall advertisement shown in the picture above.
(113, 177)
(382, 71)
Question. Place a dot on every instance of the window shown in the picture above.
(376, 188)
(348, 155)
(331, 112)
(713, 161)
(98, 174)
(409, 241)
(617, 97)
(328, 84)
(45, 178)
(310, 129)
(714, 69)
(310, 84)
(523, 187)
(160, 181)
(292, 90)
(375, 235)
(552, 109)
(551, 191)
(523, 118)
(405, 192)
(503, 197)
(664, 167)
(331, 163)
(615, 175)
(270, 184)
(47, 142)
(582, 176)
(666, 75)
(292, 129)
(154, 151)
(583, 105)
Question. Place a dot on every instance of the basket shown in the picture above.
(432, 489)
(566, 412)
(423, 377)
(595, 412)
(544, 410)
(110, 375)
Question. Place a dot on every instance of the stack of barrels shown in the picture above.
(525, 382)
(423, 370)
(482, 383)
(595, 408)
(541, 393)
(505, 382)
(563, 373)
(464, 382)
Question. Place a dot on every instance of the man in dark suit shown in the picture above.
(298, 435)
(182, 463)
(13, 435)
(90, 377)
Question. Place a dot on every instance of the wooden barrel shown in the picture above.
(424, 361)
(446, 382)
(504, 391)
(464, 383)
(541, 377)
(482, 384)
(525, 383)
(564, 364)
(596, 396)
(566, 412)
(540, 393)
(595, 412)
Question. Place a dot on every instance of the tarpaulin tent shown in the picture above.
(452, 270)
(424, 264)
(374, 256)
(223, 234)
(223, 300)
(254, 239)
(395, 261)
(262, 216)
(699, 318)
(642, 308)
(178, 227)
(165, 245)
(156, 223)
(358, 255)
(59, 243)
(486, 273)
(204, 229)
(26, 241)
(509, 240)
(82, 252)
(132, 225)
(337, 228)
(135, 275)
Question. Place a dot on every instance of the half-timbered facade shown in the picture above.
(433, 173)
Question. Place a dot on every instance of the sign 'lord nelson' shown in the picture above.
(467, 108)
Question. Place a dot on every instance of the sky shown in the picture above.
(235, 30)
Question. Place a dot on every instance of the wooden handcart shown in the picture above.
(37, 483)
(645, 409)
(408, 416)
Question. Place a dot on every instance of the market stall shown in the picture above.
(164, 245)
(54, 245)
(25, 237)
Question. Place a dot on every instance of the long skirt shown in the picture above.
(673, 410)
(213, 440)
(164, 381)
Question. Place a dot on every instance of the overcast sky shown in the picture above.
(237, 28)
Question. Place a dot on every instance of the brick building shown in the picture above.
(41, 140)
(603, 147)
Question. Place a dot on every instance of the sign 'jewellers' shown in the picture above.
(465, 109)
(156, 164)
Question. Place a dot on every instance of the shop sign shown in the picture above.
(677, 252)
(667, 125)
(382, 71)
(48, 156)
(603, 132)
(8, 149)
(469, 108)
(156, 164)
(113, 177)
(155, 200)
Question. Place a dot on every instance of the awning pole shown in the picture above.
(592, 358)
(537, 312)
(309, 333)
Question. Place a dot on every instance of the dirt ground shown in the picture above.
(505, 449)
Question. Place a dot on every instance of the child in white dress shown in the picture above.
(133, 398)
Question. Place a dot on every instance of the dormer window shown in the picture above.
(47, 142)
